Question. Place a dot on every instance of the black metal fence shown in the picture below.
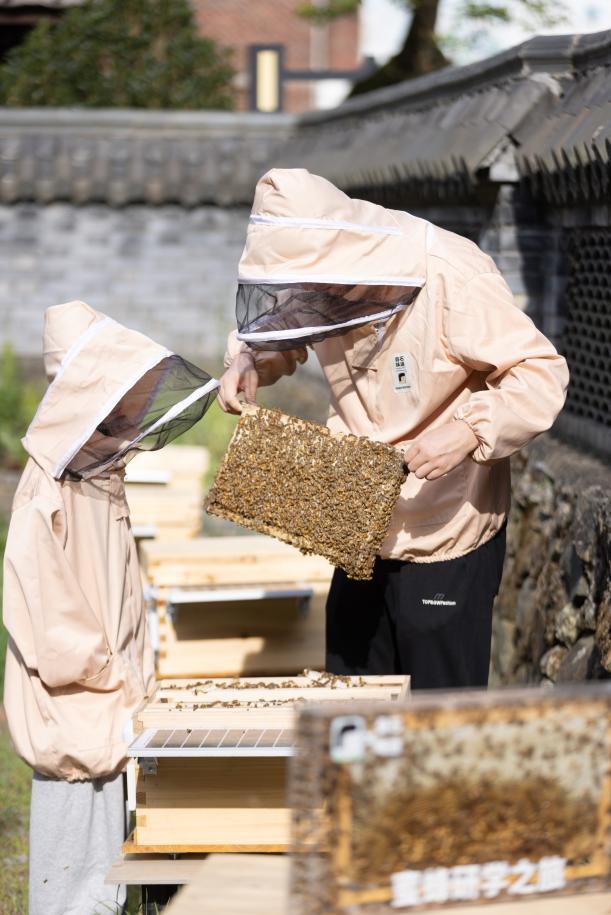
(587, 337)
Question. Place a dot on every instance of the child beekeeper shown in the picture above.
(78, 660)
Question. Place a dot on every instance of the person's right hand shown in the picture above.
(241, 376)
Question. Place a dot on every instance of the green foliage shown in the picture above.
(529, 14)
(15, 778)
(486, 11)
(14, 800)
(119, 53)
(327, 12)
(542, 13)
(18, 402)
(3, 633)
(480, 14)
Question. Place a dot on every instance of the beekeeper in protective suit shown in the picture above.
(424, 348)
(78, 661)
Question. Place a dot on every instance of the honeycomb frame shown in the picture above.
(325, 493)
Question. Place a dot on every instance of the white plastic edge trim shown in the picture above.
(79, 343)
(331, 278)
(179, 408)
(130, 771)
(74, 350)
(291, 221)
(169, 415)
(305, 331)
(110, 403)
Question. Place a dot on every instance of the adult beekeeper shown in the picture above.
(424, 348)
(78, 660)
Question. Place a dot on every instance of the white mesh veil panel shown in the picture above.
(165, 402)
(281, 316)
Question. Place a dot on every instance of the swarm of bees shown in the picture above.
(509, 819)
(316, 679)
(322, 492)
(509, 783)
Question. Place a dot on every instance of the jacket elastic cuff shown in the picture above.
(234, 348)
(479, 455)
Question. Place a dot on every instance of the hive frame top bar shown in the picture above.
(234, 709)
(307, 679)
(215, 594)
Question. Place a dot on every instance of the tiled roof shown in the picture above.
(537, 111)
(540, 112)
(121, 157)
(567, 156)
(445, 144)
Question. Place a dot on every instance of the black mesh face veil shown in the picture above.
(165, 402)
(279, 317)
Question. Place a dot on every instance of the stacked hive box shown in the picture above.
(212, 758)
(165, 492)
(227, 606)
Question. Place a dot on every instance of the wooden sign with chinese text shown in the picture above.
(455, 799)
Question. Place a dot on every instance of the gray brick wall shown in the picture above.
(523, 246)
(168, 271)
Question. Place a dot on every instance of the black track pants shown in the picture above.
(431, 620)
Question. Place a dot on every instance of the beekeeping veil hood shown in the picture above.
(318, 263)
(112, 392)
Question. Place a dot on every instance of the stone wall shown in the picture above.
(167, 271)
(517, 234)
(140, 213)
(553, 614)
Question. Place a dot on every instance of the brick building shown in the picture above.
(238, 24)
(242, 23)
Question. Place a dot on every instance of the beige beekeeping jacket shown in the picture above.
(469, 352)
(78, 662)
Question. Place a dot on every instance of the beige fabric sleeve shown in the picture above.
(68, 643)
(270, 365)
(526, 379)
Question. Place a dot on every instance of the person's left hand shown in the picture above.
(438, 451)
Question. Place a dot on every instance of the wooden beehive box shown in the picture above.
(324, 493)
(228, 606)
(212, 758)
(165, 491)
(470, 798)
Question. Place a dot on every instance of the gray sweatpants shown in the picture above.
(76, 831)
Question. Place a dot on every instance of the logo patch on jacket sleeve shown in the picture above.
(401, 374)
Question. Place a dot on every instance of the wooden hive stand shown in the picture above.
(212, 759)
(226, 606)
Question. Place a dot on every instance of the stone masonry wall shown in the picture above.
(167, 271)
(553, 614)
